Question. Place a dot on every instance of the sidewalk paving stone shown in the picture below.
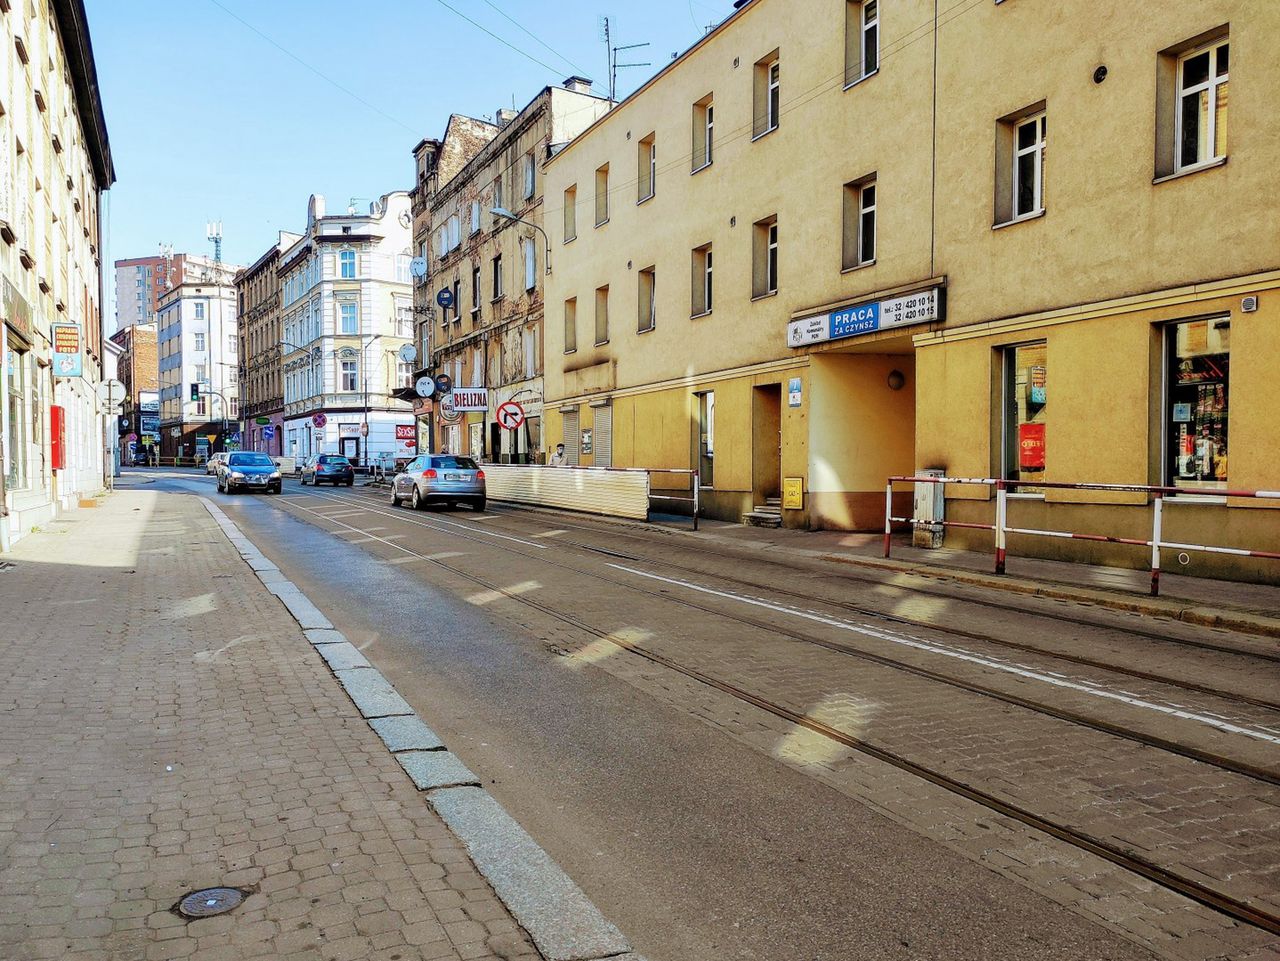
(168, 727)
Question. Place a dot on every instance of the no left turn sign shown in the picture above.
(510, 415)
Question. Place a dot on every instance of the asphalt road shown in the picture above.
(696, 844)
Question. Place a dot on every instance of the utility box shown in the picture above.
(928, 507)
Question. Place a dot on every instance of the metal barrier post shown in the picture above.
(1001, 506)
(888, 516)
(697, 486)
(1157, 523)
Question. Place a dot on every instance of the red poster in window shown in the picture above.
(58, 438)
(1031, 446)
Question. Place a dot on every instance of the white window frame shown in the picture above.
(530, 177)
(865, 208)
(475, 217)
(530, 264)
(1036, 149)
(1208, 86)
(773, 85)
(707, 282)
(345, 258)
(868, 42)
(343, 313)
(342, 374)
(771, 259)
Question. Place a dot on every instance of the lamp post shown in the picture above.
(506, 214)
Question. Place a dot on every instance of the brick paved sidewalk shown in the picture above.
(167, 727)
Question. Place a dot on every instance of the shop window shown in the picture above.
(16, 377)
(1197, 392)
(706, 437)
(1026, 393)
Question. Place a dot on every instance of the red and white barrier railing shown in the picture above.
(1002, 529)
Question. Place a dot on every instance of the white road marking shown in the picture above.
(1019, 670)
(404, 515)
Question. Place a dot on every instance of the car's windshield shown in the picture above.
(333, 459)
(449, 463)
(250, 460)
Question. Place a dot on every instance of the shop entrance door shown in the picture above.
(349, 447)
(766, 446)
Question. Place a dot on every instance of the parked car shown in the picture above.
(327, 469)
(249, 470)
(440, 479)
(215, 463)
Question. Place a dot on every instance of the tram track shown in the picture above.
(1236, 908)
(1222, 762)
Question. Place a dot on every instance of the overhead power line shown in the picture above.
(521, 27)
(505, 43)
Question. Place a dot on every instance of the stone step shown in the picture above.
(758, 518)
(769, 509)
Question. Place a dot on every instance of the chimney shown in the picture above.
(578, 85)
(505, 116)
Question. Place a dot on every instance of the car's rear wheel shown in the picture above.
(351, 482)
(415, 499)
(302, 479)
(395, 498)
(478, 506)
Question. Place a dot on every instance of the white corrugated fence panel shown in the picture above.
(612, 493)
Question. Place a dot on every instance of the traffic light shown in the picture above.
(195, 391)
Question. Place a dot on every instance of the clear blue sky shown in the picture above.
(209, 120)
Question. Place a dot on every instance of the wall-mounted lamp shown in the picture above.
(896, 380)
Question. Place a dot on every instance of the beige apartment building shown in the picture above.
(816, 252)
(492, 267)
(260, 329)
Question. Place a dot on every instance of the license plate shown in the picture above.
(257, 480)
(453, 477)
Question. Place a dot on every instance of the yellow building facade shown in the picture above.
(1006, 240)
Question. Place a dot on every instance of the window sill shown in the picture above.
(861, 266)
(646, 330)
(705, 313)
(764, 296)
(644, 200)
(601, 223)
(499, 299)
(601, 343)
(866, 76)
(698, 170)
(1188, 171)
(569, 240)
(1036, 215)
(571, 350)
(764, 133)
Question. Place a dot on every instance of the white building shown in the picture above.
(347, 310)
(55, 162)
(197, 348)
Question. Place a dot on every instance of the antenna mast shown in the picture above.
(606, 37)
(213, 230)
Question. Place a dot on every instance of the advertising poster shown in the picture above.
(1031, 446)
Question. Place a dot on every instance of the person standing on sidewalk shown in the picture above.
(558, 459)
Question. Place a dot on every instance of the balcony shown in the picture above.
(348, 400)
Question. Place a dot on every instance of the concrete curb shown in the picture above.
(557, 914)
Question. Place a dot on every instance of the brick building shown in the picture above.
(138, 369)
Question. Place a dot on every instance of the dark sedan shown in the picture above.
(249, 470)
(327, 469)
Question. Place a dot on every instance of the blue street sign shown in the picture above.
(269, 432)
(444, 383)
(445, 298)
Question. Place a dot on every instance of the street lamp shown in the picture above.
(506, 214)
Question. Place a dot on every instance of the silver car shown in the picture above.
(215, 463)
(439, 479)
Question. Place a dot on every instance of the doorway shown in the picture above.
(349, 447)
(766, 443)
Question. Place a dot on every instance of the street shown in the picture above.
(964, 780)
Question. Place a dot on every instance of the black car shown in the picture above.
(328, 469)
(249, 470)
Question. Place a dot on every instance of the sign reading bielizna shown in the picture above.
(918, 308)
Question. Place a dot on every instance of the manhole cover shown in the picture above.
(210, 901)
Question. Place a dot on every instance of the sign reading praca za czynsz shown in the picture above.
(918, 308)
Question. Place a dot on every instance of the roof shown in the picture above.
(73, 29)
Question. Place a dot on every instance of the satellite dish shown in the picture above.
(408, 353)
(418, 266)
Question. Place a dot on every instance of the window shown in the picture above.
(647, 315)
(529, 177)
(16, 436)
(602, 195)
(457, 299)
(706, 437)
(231, 344)
(475, 217)
(1201, 116)
(475, 292)
(199, 341)
(1025, 402)
(764, 274)
(404, 320)
(402, 268)
(497, 276)
(571, 325)
(530, 264)
(497, 192)
(202, 405)
(349, 323)
(1020, 152)
(861, 40)
(768, 101)
(859, 222)
(347, 264)
(701, 286)
(602, 315)
(570, 213)
(646, 168)
(529, 347)
(453, 227)
(1028, 166)
(199, 310)
(704, 125)
(348, 376)
(404, 374)
(1197, 382)
(202, 373)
